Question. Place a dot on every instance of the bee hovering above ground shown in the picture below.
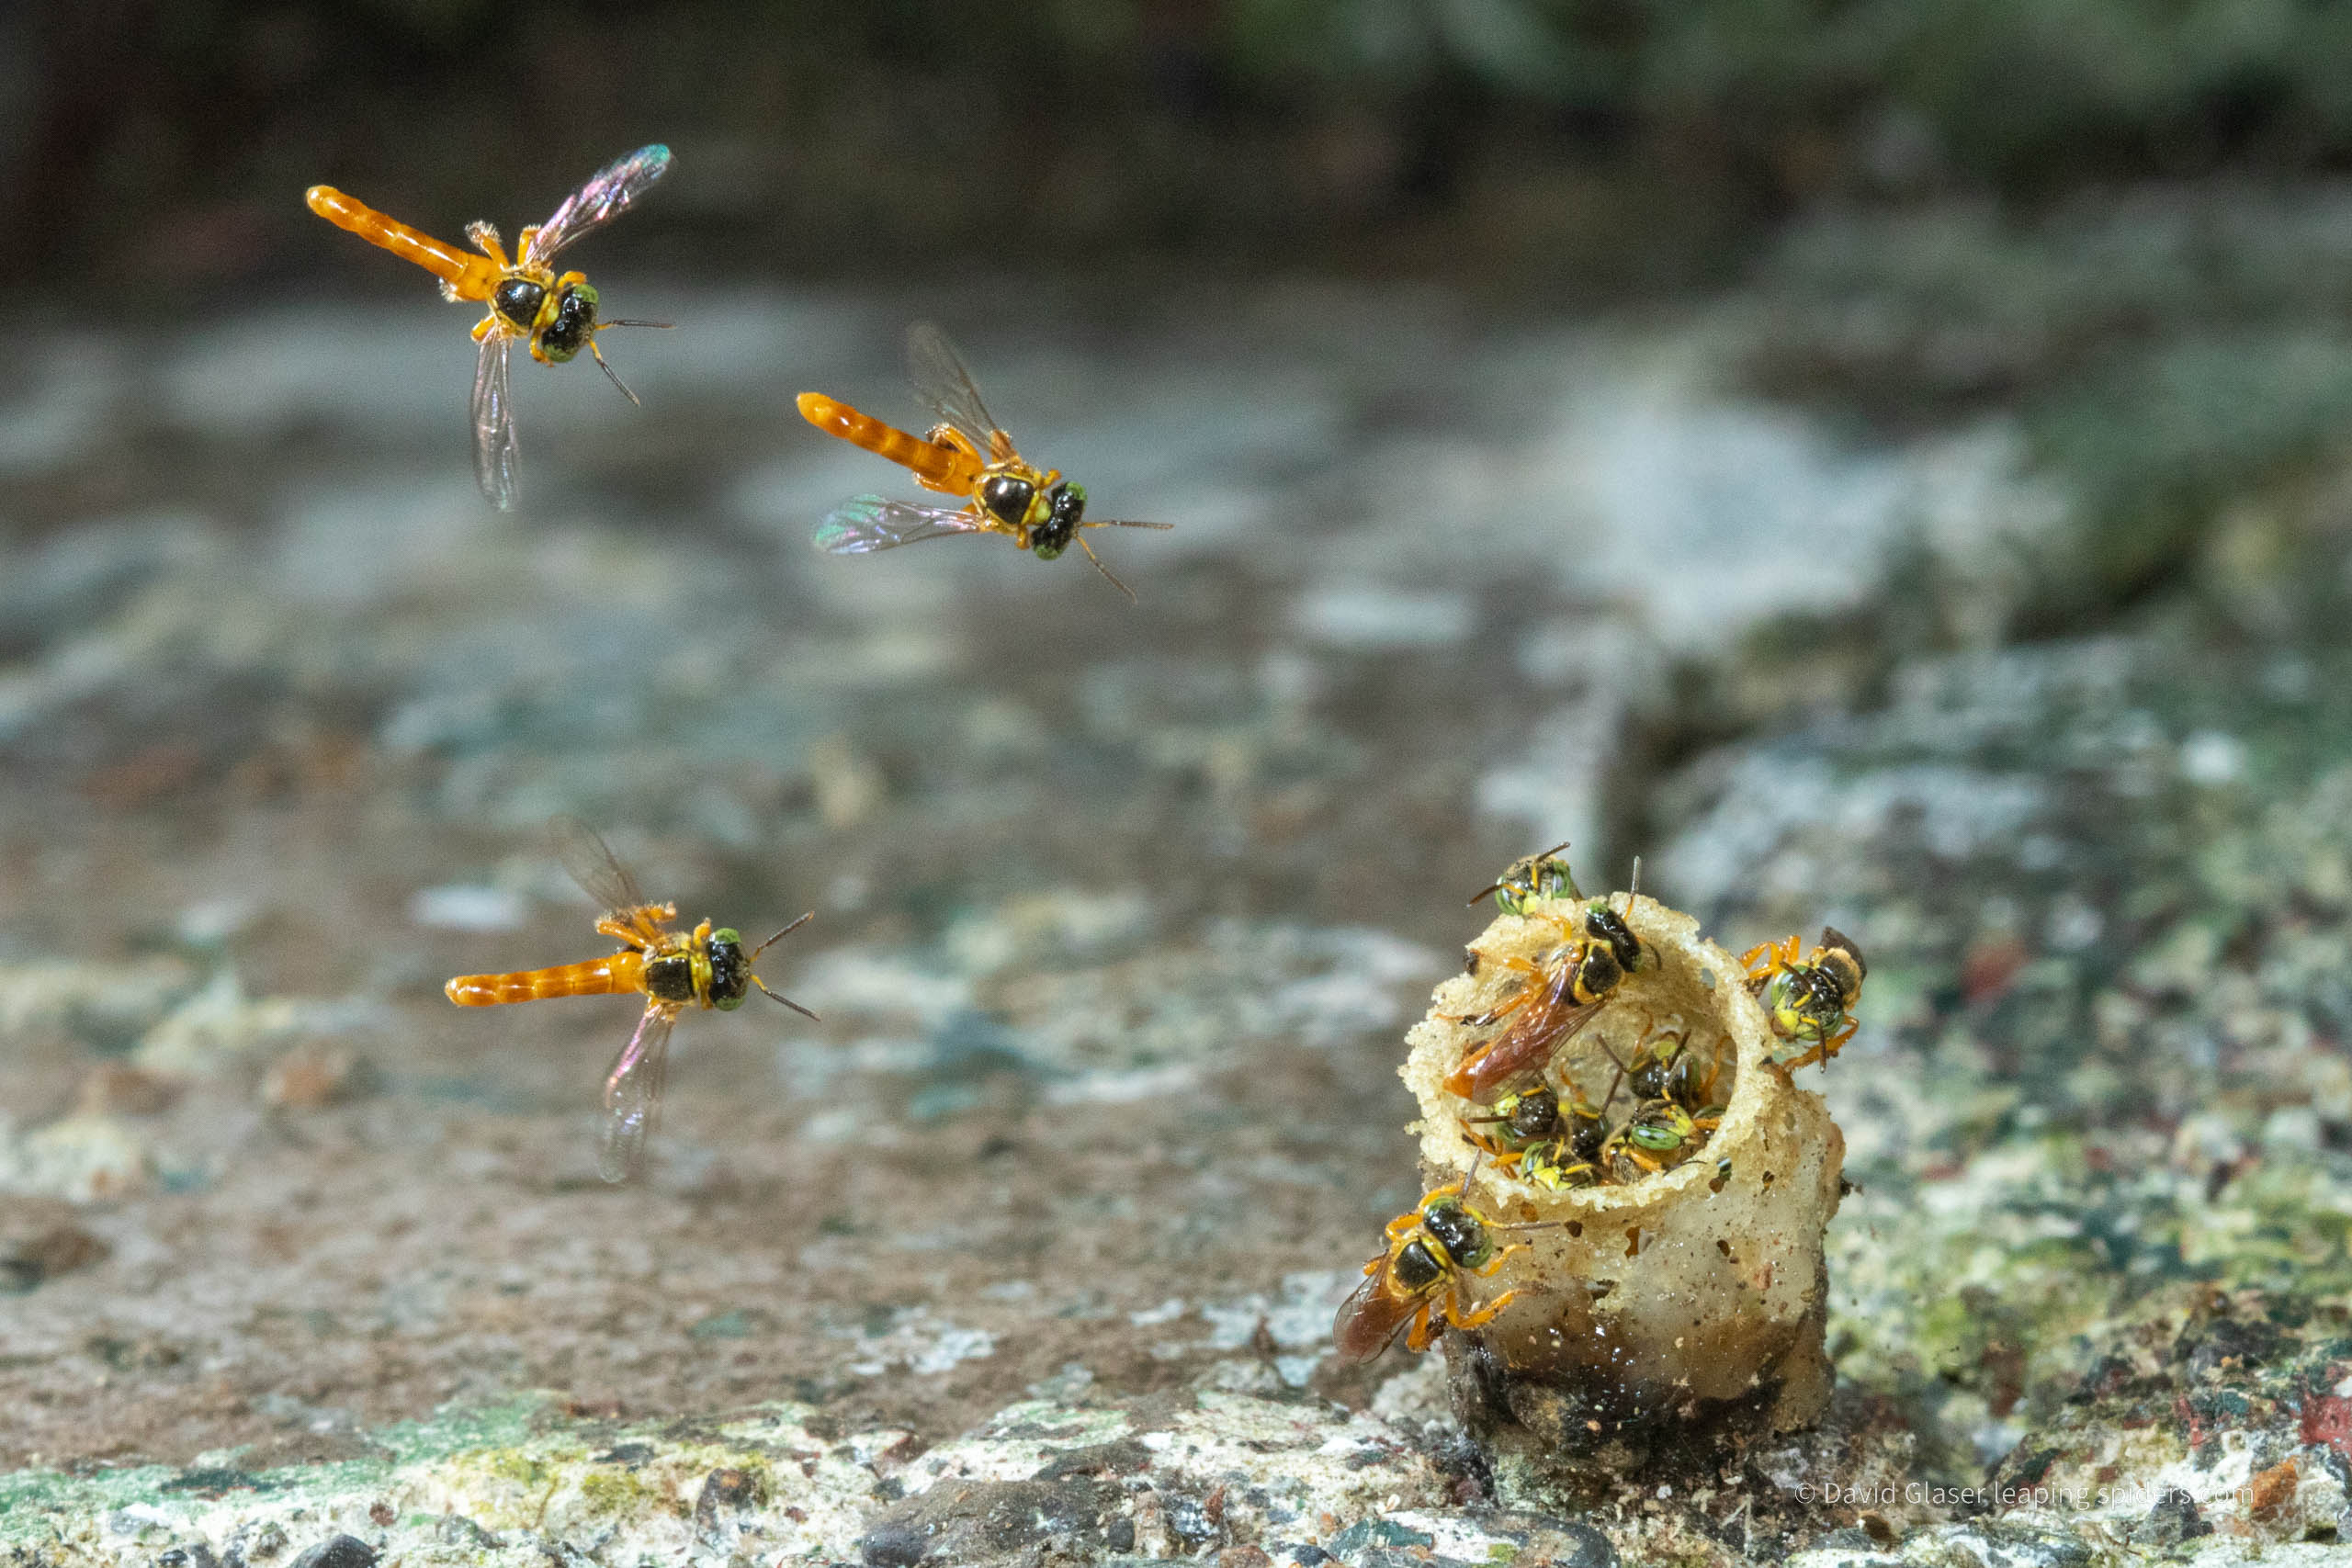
(554, 315)
(675, 970)
(1417, 1281)
(1562, 992)
(1810, 998)
(966, 453)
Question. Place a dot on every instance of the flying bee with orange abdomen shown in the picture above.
(966, 453)
(1809, 999)
(554, 315)
(1417, 1281)
(1563, 991)
(674, 970)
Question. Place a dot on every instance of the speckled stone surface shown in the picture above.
(1028, 1252)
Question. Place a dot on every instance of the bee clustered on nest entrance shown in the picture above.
(1612, 1143)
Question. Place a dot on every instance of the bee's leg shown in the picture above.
(1510, 1004)
(485, 237)
(1403, 1223)
(1483, 1316)
(1505, 1159)
(620, 932)
(949, 436)
(1825, 1049)
(1497, 1260)
(953, 440)
(482, 327)
(1417, 1338)
(1776, 956)
(524, 242)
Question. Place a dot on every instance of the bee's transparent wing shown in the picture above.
(868, 523)
(493, 420)
(945, 386)
(593, 865)
(605, 197)
(1373, 1314)
(633, 1094)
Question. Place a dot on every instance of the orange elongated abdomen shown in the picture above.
(605, 976)
(473, 277)
(940, 468)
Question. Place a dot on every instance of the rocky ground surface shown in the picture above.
(1027, 1253)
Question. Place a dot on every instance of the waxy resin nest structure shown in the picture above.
(1690, 1294)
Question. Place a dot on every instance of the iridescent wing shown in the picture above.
(602, 199)
(633, 1094)
(945, 386)
(1373, 1314)
(493, 417)
(868, 523)
(593, 865)
(1527, 1045)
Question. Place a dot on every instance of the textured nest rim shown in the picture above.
(1727, 1005)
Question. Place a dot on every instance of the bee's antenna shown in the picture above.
(1111, 576)
(610, 374)
(785, 933)
(771, 942)
(1495, 886)
(786, 1001)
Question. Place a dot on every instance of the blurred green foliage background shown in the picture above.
(167, 142)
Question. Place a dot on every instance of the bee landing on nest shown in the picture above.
(1665, 1183)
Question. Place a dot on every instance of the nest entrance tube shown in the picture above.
(1681, 1286)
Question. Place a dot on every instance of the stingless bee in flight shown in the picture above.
(675, 970)
(966, 454)
(554, 315)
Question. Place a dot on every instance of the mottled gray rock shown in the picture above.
(1121, 913)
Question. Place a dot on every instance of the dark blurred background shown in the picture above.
(159, 146)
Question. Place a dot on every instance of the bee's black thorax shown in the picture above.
(519, 299)
(1006, 498)
(1417, 1268)
(670, 978)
